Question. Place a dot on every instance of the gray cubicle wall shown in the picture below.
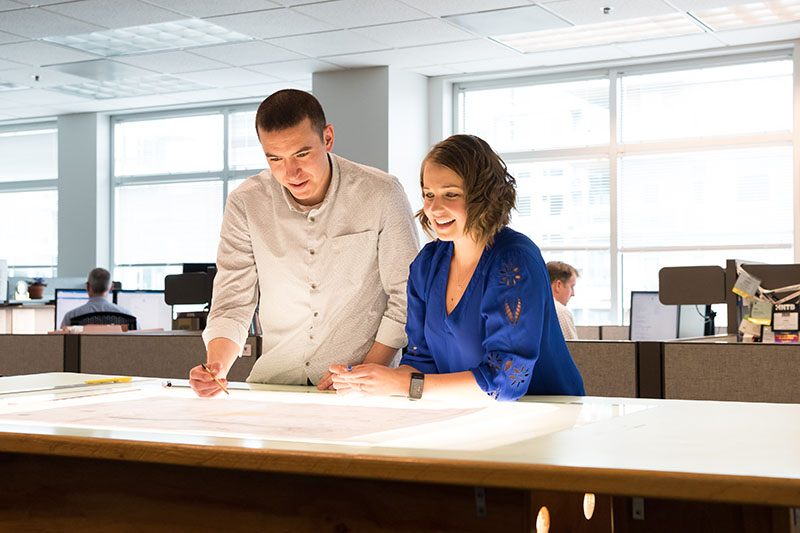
(31, 354)
(608, 368)
(588, 333)
(166, 356)
(735, 372)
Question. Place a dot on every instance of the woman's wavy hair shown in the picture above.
(490, 191)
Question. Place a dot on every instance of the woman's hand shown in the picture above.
(371, 378)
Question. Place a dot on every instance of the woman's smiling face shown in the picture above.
(445, 202)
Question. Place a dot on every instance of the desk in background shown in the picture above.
(698, 466)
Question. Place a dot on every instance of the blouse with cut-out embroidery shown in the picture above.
(504, 329)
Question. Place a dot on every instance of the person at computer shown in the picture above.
(322, 244)
(481, 321)
(562, 282)
(97, 286)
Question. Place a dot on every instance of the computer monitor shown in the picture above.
(650, 319)
(691, 321)
(69, 299)
(148, 307)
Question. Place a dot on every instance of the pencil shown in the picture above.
(221, 386)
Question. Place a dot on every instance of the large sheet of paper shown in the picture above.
(322, 418)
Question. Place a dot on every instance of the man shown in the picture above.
(97, 286)
(562, 280)
(321, 244)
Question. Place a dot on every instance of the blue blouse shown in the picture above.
(504, 329)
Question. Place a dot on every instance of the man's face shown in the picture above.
(298, 159)
(564, 291)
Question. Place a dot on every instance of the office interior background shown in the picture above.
(642, 134)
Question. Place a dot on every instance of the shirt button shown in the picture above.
(311, 337)
(308, 363)
(311, 219)
(313, 285)
(311, 252)
(316, 314)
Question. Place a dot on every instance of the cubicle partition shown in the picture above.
(608, 368)
(731, 371)
(31, 354)
(163, 355)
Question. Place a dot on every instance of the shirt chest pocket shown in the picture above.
(355, 256)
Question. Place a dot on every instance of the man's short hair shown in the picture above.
(99, 280)
(490, 191)
(288, 108)
(559, 270)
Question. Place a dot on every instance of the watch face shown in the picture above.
(417, 383)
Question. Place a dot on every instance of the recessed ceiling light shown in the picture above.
(755, 14)
(603, 33)
(102, 90)
(152, 37)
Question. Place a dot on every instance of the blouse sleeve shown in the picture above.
(418, 354)
(513, 304)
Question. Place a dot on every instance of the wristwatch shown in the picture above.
(415, 389)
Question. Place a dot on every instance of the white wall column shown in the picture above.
(84, 195)
(380, 118)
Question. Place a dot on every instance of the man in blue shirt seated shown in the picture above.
(98, 285)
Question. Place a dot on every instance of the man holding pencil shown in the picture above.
(321, 244)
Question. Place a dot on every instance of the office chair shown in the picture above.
(104, 317)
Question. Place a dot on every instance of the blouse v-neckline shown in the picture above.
(468, 288)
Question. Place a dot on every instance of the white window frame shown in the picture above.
(31, 185)
(614, 150)
(226, 174)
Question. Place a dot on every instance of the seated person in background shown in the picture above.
(562, 282)
(481, 321)
(98, 285)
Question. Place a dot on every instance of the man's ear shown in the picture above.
(327, 137)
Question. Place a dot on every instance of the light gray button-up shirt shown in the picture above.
(330, 280)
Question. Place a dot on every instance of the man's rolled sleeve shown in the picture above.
(236, 283)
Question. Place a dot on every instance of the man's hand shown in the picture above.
(326, 383)
(203, 384)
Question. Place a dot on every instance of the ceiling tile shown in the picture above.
(512, 20)
(434, 54)
(294, 70)
(699, 5)
(102, 70)
(114, 13)
(355, 13)
(7, 5)
(5, 65)
(10, 38)
(671, 45)
(414, 33)
(213, 8)
(777, 32)
(170, 62)
(248, 53)
(228, 77)
(37, 53)
(38, 2)
(261, 91)
(435, 70)
(497, 64)
(31, 111)
(42, 96)
(270, 23)
(591, 11)
(573, 56)
(441, 8)
(35, 22)
(48, 77)
(328, 43)
(208, 95)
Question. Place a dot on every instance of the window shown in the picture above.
(171, 177)
(29, 199)
(700, 169)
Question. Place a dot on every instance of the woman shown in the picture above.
(481, 321)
